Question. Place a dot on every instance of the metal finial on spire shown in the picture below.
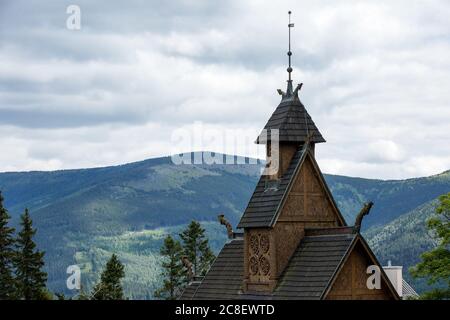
(290, 92)
(290, 25)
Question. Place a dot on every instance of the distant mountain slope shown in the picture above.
(392, 198)
(404, 239)
(85, 215)
(134, 194)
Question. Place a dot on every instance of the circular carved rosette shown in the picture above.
(254, 244)
(254, 266)
(264, 243)
(264, 265)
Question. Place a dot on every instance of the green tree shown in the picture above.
(61, 296)
(110, 286)
(173, 273)
(29, 263)
(435, 264)
(7, 281)
(196, 248)
(83, 295)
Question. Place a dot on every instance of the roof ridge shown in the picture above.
(330, 235)
(329, 231)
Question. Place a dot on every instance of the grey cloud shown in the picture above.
(41, 119)
(132, 16)
(373, 71)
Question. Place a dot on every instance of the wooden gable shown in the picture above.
(308, 199)
(350, 280)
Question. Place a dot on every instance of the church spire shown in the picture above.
(290, 92)
(290, 118)
(290, 25)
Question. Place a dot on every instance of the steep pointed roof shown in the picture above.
(291, 119)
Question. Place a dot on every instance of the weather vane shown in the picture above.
(290, 25)
(290, 92)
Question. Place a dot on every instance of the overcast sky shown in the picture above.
(376, 80)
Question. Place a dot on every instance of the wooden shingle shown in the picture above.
(312, 266)
(264, 203)
(293, 122)
(189, 291)
(224, 278)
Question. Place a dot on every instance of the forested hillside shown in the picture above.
(84, 215)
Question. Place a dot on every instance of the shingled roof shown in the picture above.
(312, 266)
(308, 276)
(189, 291)
(293, 122)
(224, 278)
(265, 203)
(408, 291)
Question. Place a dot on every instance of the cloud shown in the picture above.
(383, 151)
(375, 79)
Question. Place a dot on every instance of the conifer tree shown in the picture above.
(196, 248)
(29, 263)
(435, 264)
(7, 281)
(110, 286)
(83, 295)
(173, 274)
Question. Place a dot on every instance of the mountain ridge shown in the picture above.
(445, 172)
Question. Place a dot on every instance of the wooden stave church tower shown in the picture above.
(296, 243)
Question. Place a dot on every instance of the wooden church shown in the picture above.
(295, 242)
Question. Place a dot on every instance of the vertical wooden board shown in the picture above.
(351, 281)
(316, 187)
(308, 200)
(299, 186)
(317, 207)
(342, 287)
(361, 276)
(246, 255)
(295, 206)
(288, 236)
(287, 152)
